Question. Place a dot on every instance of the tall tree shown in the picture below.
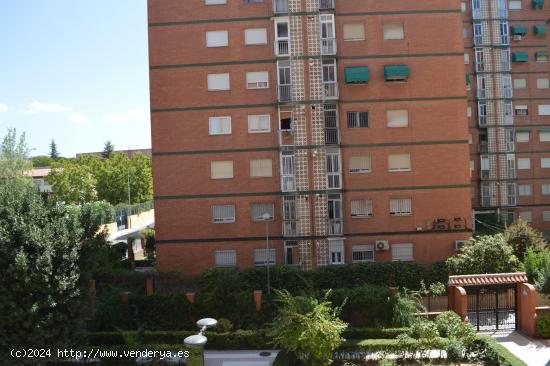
(108, 150)
(14, 155)
(74, 181)
(54, 154)
(521, 236)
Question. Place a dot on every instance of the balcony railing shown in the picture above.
(280, 6)
(282, 47)
(512, 201)
(482, 120)
(335, 227)
(288, 184)
(485, 201)
(476, 13)
(485, 174)
(331, 90)
(285, 93)
(481, 94)
(328, 46)
(331, 136)
(326, 4)
(508, 92)
(511, 174)
(289, 228)
(484, 147)
(478, 40)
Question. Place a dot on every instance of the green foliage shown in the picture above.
(406, 305)
(74, 181)
(543, 326)
(536, 264)
(41, 161)
(485, 254)
(366, 305)
(54, 154)
(485, 350)
(150, 243)
(224, 325)
(521, 236)
(308, 327)
(423, 328)
(14, 156)
(489, 224)
(108, 150)
(373, 333)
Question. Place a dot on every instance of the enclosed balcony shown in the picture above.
(331, 90)
(283, 47)
(336, 227)
(280, 6)
(328, 46)
(289, 227)
(285, 93)
(326, 4)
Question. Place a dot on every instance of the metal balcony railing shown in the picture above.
(483, 147)
(328, 46)
(476, 13)
(289, 228)
(507, 91)
(331, 136)
(478, 40)
(280, 6)
(481, 93)
(485, 201)
(326, 4)
(282, 47)
(285, 93)
(511, 174)
(335, 227)
(331, 90)
(484, 174)
(480, 66)
(482, 120)
(288, 184)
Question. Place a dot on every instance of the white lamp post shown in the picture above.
(199, 340)
(267, 217)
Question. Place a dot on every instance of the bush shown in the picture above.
(366, 306)
(486, 351)
(121, 279)
(373, 333)
(543, 326)
(423, 329)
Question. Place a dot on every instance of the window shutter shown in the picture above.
(218, 82)
(264, 256)
(223, 214)
(399, 162)
(361, 208)
(544, 110)
(394, 31)
(402, 252)
(544, 136)
(225, 258)
(259, 209)
(255, 36)
(261, 168)
(221, 169)
(257, 80)
(354, 32)
(398, 118)
(360, 164)
(545, 162)
(217, 39)
(543, 83)
(219, 125)
(259, 124)
(400, 207)
(522, 136)
(524, 163)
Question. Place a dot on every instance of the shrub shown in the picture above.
(543, 326)
(404, 308)
(366, 305)
(521, 236)
(373, 333)
(224, 325)
(121, 279)
(486, 351)
(423, 329)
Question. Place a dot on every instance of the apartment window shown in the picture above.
(217, 39)
(358, 119)
(464, 33)
(287, 172)
(221, 169)
(469, 111)
(400, 207)
(362, 253)
(223, 214)
(521, 110)
(514, 5)
(546, 189)
(218, 82)
(463, 7)
(545, 163)
(526, 216)
(545, 215)
(219, 125)
(543, 83)
(507, 86)
(480, 59)
(402, 252)
(544, 135)
(394, 31)
(504, 32)
(541, 56)
(215, 2)
(225, 258)
(259, 123)
(524, 163)
(466, 58)
(256, 36)
(361, 208)
(399, 162)
(520, 83)
(525, 190)
(544, 110)
(257, 80)
(258, 211)
(261, 168)
(335, 215)
(336, 251)
(354, 32)
(264, 257)
(505, 60)
(397, 118)
(470, 139)
(522, 136)
(334, 171)
(360, 164)
(472, 167)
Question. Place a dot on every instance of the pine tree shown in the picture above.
(54, 154)
(108, 150)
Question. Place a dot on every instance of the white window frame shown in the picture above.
(229, 258)
(523, 136)
(215, 2)
(354, 39)
(545, 216)
(366, 250)
(544, 136)
(526, 216)
(524, 163)
(402, 252)
(334, 170)
(360, 170)
(254, 173)
(336, 250)
(399, 169)
(265, 257)
(525, 190)
(515, 5)
(545, 163)
(543, 109)
(545, 189)
(361, 208)
(223, 214)
(224, 125)
(393, 34)
(255, 36)
(257, 210)
(215, 164)
(257, 80)
(520, 83)
(217, 38)
(543, 83)
(401, 207)
(263, 120)
(397, 118)
(223, 78)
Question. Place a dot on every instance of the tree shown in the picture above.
(39, 254)
(307, 327)
(536, 264)
(41, 161)
(521, 236)
(54, 155)
(108, 150)
(485, 254)
(74, 181)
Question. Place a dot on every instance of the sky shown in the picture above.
(75, 71)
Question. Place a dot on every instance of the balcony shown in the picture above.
(481, 94)
(283, 47)
(285, 93)
(482, 120)
(476, 13)
(289, 228)
(485, 174)
(483, 147)
(332, 136)
(485, 201)
(288, 183)
(331, 90)
(280, 6)
(478, 40)
(326, 4)
(328, 46)
(335, 227)
(507, 91)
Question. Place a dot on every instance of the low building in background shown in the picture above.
(129, 153)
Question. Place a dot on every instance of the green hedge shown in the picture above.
(543, 326)
(122, 280)
(366, 306)
(387, 345)
(373, 333)
(489, 352)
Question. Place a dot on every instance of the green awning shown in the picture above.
(519, 30)
(538, 4)
(528, 131)
(357, 75)
(468, 79)
(540, 30)
(544, 130)
(396, 72)
(520, 57)
(541, 55)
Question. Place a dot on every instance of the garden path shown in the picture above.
(533, 352)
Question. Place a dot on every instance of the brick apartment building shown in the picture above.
(344, 121)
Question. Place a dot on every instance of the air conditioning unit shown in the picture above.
(441, 224)
(459, 244)
(518, 37)
(458, 223)
(381, 245)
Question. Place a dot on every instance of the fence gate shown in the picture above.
(492, 307)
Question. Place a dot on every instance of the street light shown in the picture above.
(199, 340)
(267, 217)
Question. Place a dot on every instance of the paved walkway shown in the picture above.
(532, 352)
(240, 358)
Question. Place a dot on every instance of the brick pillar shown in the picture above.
(527, 309)
(258, 300)
(149, 286)
(458, 301)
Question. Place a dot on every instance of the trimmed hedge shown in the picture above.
(122, 280)
(491, 353)
(373, 333)
(388, 345)
(366, 305)
(543, 326)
